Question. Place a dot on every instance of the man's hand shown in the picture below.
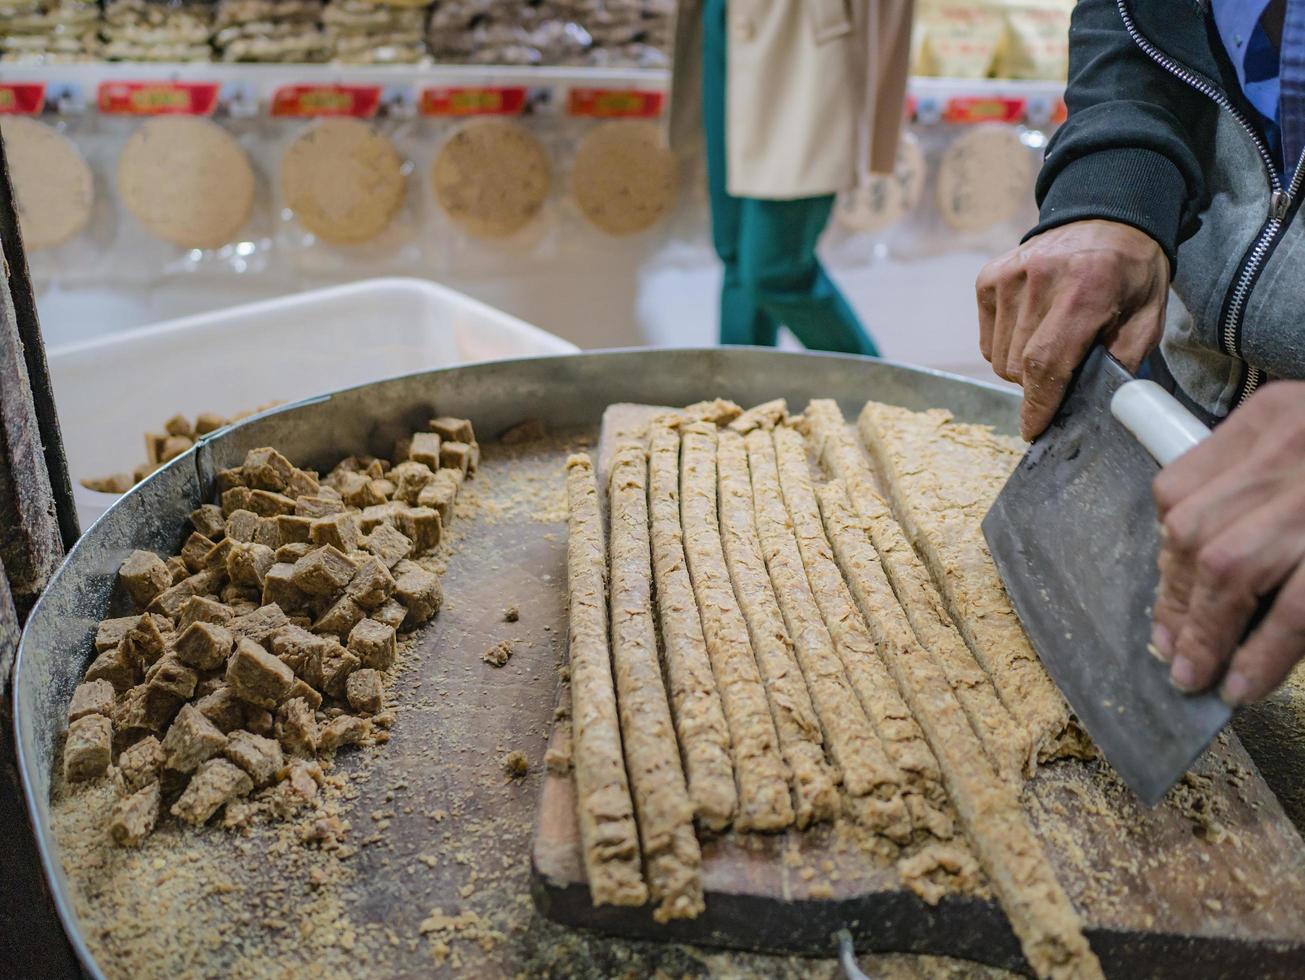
(1233, 516)
(1044, 304)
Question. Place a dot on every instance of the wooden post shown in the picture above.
(31, 546)
(37, 523)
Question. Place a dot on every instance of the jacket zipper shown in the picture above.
(1280, 202)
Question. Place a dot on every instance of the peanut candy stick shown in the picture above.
(764, 802)
(606, 813)
(652, 757)
(695, 701)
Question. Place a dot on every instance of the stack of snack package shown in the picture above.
(270, 31)
(608, 33)
(376, 32)
(636, 33)
(1017, 39)
(157, 30)
(598, 33)
(49, 31)
(483, 32)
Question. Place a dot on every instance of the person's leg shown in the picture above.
(778, 266)
(741, 322)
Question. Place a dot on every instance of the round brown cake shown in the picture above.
(187, 181)
(983, 178)
(343, 181)
(53, 188)
(491, 177)
(623, 177)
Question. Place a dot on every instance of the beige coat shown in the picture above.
(814, 91)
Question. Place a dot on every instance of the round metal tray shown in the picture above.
(567, 392)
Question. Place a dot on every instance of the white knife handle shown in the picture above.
(1157, 419)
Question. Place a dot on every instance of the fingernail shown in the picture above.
(1235, 689)
(1161, 643)
(1182, 674)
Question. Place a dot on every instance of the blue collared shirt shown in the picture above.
(1265, 40)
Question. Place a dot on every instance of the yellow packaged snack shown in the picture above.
(1035, 42)
(958, 39)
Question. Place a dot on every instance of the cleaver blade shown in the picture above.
(1075, 538)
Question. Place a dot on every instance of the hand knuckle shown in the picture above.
(1171, 487)
(1222, 566)
(1168, 610)
(1009, 289)
(1182, 530)
(1115, 261)
(996, 270)
(1038, 267)
(1197, 645)
(1034, 364)
(1041, 356)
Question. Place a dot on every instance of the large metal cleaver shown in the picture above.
(1075, 538)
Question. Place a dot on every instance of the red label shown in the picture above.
(605, 103)
(977, 109)
(361, 101)
(1060, 112)
(22, 99)
(158, 98)
(473, 101)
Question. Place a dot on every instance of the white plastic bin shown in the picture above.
(111, 391)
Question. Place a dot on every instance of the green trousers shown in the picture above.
(772, 275)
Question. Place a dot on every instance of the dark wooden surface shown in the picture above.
(1210, 883)
(1159, 897)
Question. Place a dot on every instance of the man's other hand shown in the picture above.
(1233, 518)
(1044, 304)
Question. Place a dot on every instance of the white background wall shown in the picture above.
(920, 311)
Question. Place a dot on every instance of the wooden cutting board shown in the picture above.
(1210, 883)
